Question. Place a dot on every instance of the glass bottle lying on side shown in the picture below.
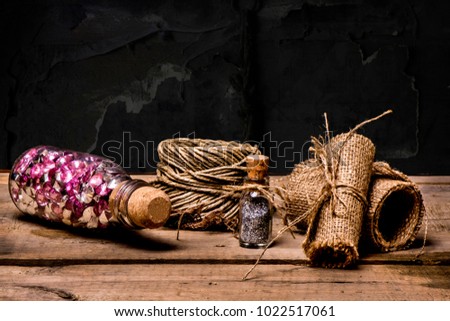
(83, 190)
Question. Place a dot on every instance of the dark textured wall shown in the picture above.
(117, 77)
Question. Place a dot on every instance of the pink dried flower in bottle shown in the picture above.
(83, 190)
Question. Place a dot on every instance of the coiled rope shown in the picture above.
(203, 179)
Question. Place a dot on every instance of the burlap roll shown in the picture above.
(303, 188)
(394, 216)
(333, 235)
(395, 213)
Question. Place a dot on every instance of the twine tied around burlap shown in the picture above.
(336, 215)
(204, 181)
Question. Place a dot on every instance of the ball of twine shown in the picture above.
(203, 179)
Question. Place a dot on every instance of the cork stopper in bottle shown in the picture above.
(257, 167)
(142, 206)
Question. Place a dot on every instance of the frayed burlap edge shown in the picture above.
(338, 254)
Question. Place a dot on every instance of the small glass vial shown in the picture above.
(256, 209)
(83, 190)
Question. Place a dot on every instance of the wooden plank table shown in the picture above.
(39, 261)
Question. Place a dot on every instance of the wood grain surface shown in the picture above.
(42, 261)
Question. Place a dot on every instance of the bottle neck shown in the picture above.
(119, 201)
(136, 204)
(264, 181)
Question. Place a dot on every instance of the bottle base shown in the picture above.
(252, 245)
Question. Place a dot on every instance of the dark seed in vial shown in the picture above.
(256, 221)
